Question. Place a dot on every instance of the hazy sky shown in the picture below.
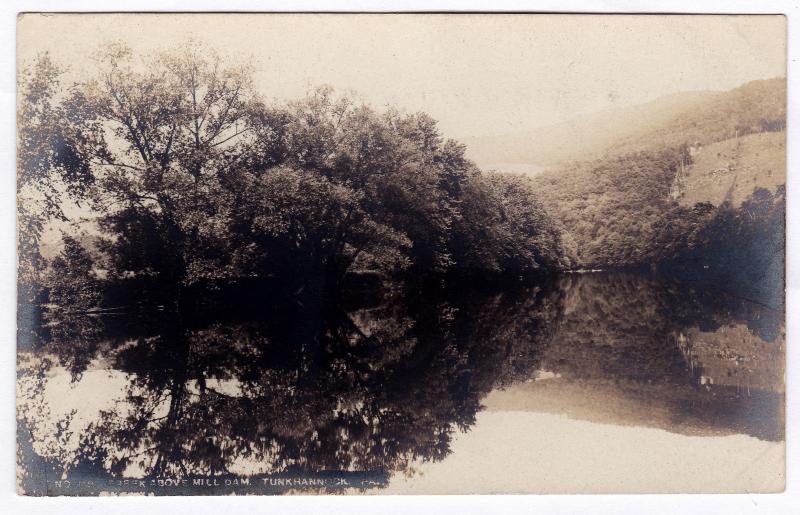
(476, 74)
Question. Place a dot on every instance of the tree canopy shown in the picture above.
(191, 177)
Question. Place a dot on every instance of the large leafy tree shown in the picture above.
(192, 178)
(169, 133)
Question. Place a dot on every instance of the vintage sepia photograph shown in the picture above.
(395, 253)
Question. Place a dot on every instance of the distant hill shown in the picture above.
(584, 137)
(757, 106)
(673, 120)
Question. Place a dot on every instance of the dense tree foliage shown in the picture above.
(192, 178)
(741, 248)
(609, 206)
(502, 227)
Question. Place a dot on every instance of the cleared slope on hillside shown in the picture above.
(734, 168)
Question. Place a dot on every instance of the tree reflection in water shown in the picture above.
(311, 387)
(302, 389)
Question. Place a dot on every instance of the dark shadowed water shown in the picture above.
(590, 382)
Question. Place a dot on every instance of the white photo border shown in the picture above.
(10, 503)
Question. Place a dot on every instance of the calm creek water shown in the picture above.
(598, 382)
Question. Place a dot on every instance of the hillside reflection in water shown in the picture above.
(382, 391)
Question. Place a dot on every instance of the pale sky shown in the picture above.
(477, 74)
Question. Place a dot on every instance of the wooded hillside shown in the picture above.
(647, 200)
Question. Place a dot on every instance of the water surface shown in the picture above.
(602, 382)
